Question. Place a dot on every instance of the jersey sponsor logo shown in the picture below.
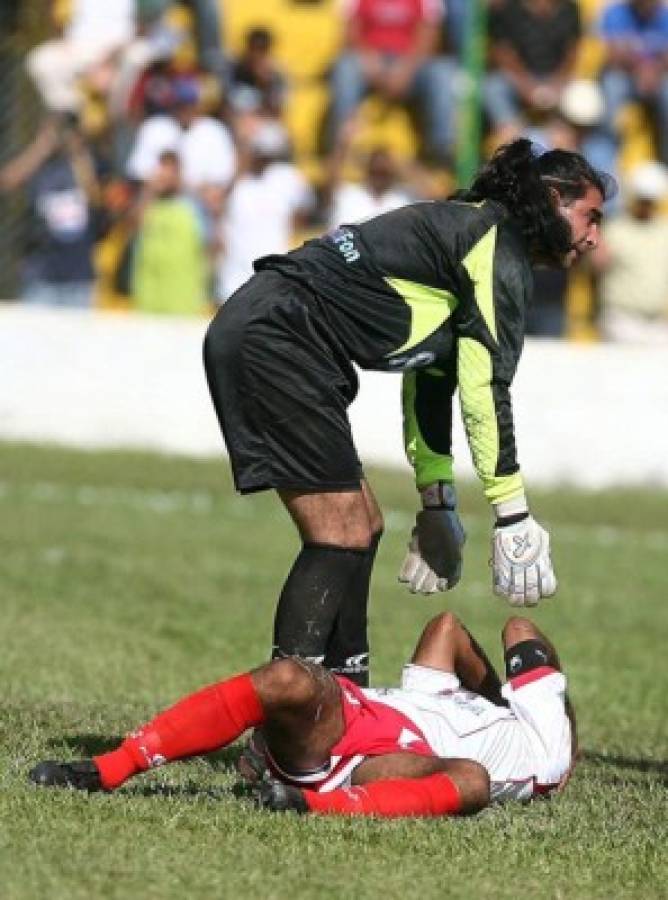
(521, 545)
(344, 241)
(419, 360)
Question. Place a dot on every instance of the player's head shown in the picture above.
(556, 196)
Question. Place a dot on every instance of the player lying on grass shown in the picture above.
(450, 740)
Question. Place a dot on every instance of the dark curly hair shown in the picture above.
(519, 176)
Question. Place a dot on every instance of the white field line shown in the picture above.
(203, 502)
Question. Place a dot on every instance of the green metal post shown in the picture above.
(469, 113)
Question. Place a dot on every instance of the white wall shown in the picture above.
(588, 415)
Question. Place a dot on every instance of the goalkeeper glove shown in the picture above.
(521, 565)
(434, 559)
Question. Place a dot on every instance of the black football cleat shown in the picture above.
(279, 797)
(82, 775)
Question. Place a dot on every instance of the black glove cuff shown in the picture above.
(511, 520)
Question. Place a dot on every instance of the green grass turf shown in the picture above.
(128, 580)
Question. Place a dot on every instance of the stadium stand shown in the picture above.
(307, 38)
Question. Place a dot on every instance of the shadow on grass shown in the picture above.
(95, 744)
(227, 758)
(240, 790)
(637, 764)
(87, 744)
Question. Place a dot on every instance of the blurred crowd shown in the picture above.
(155, 177)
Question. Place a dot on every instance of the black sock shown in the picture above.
(348, 648)
(311, 598)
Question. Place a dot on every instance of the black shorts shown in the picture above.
(281, 387)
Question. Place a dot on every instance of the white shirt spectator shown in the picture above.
(96, 29)
(259, 219)
(353, 202)
(207, 153)
(206, 150)
(634, 282)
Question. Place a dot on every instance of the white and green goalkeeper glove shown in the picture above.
(434, 559)
(521, 565)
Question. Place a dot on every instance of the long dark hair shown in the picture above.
(520, 176)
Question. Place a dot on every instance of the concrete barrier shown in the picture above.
(588, 415)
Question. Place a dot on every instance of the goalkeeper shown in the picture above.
(435, 290)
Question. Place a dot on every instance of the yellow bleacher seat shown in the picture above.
(61, 12)
(307, 35)
(385, 124)
(590, 56)
(307, 38)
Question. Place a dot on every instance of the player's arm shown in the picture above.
(392, 786)
(434, 558)
(490, 336)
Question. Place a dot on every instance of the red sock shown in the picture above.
(200, 723)
(433, 795)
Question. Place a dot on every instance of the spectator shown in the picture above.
(95, 31)
(635, 34)
(208, 27)
(634, 294)
(456, 23)
(170, 266)
(546, 314)
(582, 108)
(575, 126)
(103, 48)
(268, 201)
(533, 45)
(203, 144)
(257, 84)
(380, 190)
(64, 192)
(391, 49)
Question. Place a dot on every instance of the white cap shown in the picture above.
(648, 181)
(582, 102)
(270, 139)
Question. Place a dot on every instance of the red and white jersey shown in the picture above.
(525, 747)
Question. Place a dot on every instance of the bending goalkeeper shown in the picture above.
(437, 291)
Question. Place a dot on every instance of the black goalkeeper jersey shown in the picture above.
(437, 290)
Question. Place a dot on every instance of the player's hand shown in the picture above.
(279, 797)
(434, 559)
(521, 565)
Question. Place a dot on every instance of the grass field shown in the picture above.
(128, 580)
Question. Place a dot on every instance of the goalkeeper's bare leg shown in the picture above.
(322, 609)
(321, 614)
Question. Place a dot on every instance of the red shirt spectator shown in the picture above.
(390, 26)
(391, 49)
